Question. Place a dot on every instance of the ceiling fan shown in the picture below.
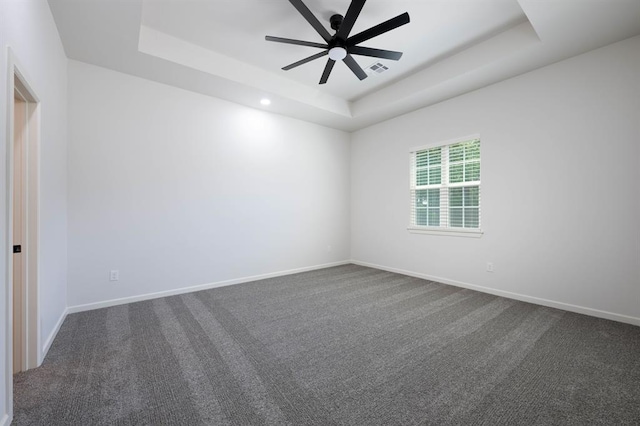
(340, 46)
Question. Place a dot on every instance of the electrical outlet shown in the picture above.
(489, 267)
(114, 275)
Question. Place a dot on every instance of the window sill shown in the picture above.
(469, 233)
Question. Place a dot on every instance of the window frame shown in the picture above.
(441, 230)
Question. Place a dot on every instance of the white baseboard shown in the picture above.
(517, 296)
(149, 296)
(52, 336)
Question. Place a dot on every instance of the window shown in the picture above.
(445, 189)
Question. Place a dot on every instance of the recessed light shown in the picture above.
(265, 102)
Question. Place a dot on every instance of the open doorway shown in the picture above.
(23, 142)
(19, 290)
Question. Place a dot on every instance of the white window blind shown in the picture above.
(445, 187)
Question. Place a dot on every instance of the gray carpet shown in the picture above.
(345, 345)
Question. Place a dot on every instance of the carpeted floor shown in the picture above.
(345, 345)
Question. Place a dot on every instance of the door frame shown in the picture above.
(32, 354)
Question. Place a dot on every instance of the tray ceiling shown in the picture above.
(217, 47)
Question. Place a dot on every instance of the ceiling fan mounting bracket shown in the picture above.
(336, 21)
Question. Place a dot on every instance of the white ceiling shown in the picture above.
(217, 47)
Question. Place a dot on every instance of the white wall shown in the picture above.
(177, 189)
(560, 185)
(28, 28)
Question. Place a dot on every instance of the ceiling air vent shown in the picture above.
(377, 68)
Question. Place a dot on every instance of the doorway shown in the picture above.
(22, 228)
(19, 329)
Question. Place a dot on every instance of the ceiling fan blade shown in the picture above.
(350, 18)
(297, 42)
(382, 28)
(327, 71)
(353, 65)
(305, 60)
(310, 17)
(376, 53)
